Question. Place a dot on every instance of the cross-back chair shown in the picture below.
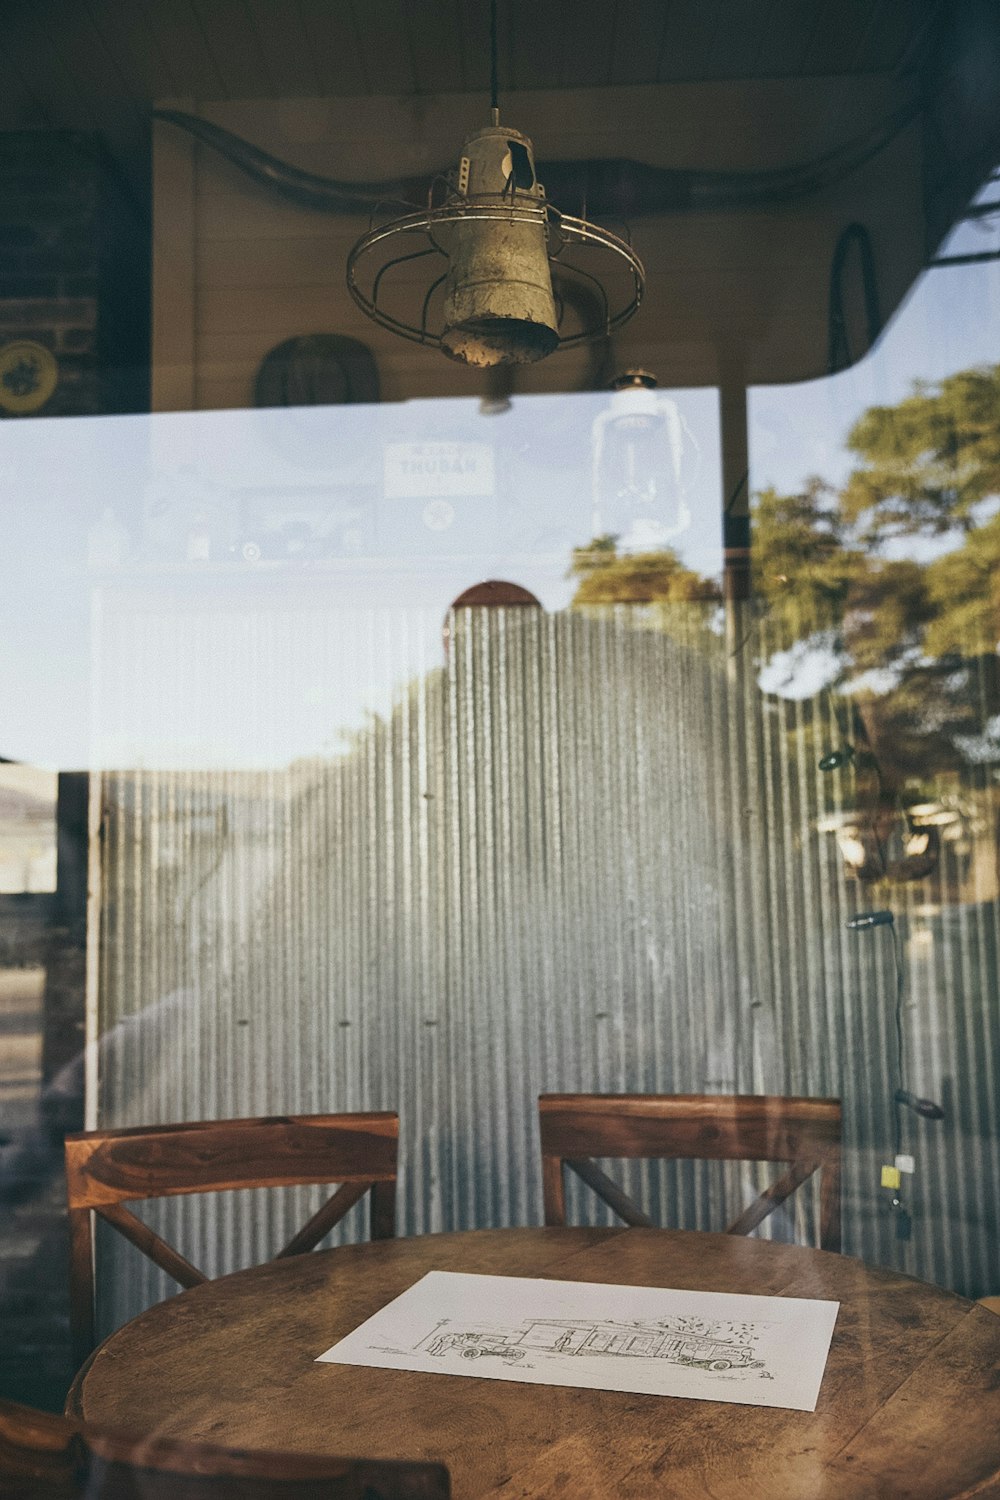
(45, 1457)
(803, 1134)
(107, 1168)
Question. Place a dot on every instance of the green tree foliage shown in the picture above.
(896, 576)
(964, 592)
(899, 572)
(928, 462)
(607, 577)
(802, 567)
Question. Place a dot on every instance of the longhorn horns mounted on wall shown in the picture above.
(611, 187)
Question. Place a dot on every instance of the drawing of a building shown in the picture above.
(635, 1340)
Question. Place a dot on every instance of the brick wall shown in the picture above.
(73, 258)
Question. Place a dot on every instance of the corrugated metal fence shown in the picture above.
(586, 854)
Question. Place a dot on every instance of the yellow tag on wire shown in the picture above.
(890, 1177)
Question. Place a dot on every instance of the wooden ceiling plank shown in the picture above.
(385, 45)
(128, 38)
(531, 44)
(640, 27)
(75, 80)
(20, 107)
(285, 45)
(53, 58)
(181, 39)
(332, 34)
(231, 38)
(688, 38)
(736, 40)
(784, 35)
(474, 45)
(587, 45)
(765, 14)
(40, 63)
(71, 30)
(926, 36)
(436, 47)
(839, 36)
(893, 29)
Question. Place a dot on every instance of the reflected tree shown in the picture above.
(927, 464)
(884, 592)
(904, 560)
(607, 576)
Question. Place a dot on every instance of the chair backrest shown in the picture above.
(107, 1168)
(45, 1457)
(802, 1133)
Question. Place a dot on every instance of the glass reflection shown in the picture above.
(618, 832)
(244, 588)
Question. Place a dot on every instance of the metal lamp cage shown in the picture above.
(369, 275)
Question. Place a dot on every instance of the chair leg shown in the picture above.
(553, 1190)
(81, 1284)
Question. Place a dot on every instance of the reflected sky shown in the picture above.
(947, 323)
(244, 588)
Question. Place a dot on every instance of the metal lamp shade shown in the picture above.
(498, 303)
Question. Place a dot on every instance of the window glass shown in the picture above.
(382, 732)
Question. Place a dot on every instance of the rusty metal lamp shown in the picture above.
(500, 240)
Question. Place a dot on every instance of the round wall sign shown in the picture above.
(29, 374)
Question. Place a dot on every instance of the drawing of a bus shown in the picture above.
(553, 1336)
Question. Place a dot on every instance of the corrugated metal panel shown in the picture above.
(585, 854)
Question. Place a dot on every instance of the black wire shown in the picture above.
(398, 261)
(572, 270)
(843, 723)
(494, 85)
(897, 959)
(757, 616)
(839, 353)
(871, 762)
(966, 260)
(427, 302)
(737, 492)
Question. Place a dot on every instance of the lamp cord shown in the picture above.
(494, 84)
(839, 352)
(900, 972)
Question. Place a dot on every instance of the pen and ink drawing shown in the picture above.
(659, 1341)
(715, 1345)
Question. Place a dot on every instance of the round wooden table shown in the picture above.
(909, 1406)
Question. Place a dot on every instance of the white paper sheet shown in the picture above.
(713, 1346)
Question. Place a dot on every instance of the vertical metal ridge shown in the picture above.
(583, 853)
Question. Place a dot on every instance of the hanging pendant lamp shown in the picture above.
(501, 251)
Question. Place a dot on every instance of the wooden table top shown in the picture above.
(909, 1406)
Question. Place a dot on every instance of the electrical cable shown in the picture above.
(839, 355)
(898, 965)
(902, 1097)
(834, 758)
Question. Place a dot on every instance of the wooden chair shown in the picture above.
(45, 1457)
(107, 1168)
(804, 1133)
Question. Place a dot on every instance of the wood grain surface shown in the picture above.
(804, 1134)
(45, 1457)
(107, 1168)
(909, 1406)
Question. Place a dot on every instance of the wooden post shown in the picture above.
(735, 486)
